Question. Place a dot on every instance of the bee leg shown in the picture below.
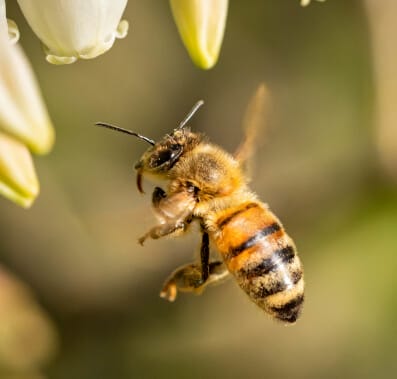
(157, 196)
(205, 257)
(174, 213)
(190, 277)
(197, 275)
(162, 230)
(187, 278)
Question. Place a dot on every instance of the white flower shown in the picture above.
(22, 111)
(13, 32)
(201, 25)
(24, 122)
(75, 29)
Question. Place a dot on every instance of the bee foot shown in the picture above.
(169, 291)
(142, 240)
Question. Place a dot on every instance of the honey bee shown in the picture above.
(209, 185)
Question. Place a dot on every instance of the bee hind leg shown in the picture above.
(194, 277)
(187, 278)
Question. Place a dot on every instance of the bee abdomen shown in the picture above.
(275, 283)
(263, 258)
(255, 239)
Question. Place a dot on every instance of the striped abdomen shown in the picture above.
(263, 258)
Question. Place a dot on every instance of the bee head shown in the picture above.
(160, 158)
(162, 155)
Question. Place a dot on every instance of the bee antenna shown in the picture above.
(117, 128)
(190, 114)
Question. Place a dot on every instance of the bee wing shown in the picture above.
(253, 124)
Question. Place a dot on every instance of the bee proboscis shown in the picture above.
(208, 185)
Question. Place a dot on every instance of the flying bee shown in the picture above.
(208, 185)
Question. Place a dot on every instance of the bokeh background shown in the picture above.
(80, 297)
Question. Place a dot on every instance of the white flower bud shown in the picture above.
(13, 32)
(305, 3)
(18, 181)
(70, 30)
(24, 122)
(201, 25)
(22, 111)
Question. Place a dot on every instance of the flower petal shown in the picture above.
(13, 31)
(10, 25)
(22, 111)
(305, 3)
(201, 24)
(18, 180)
(75, 29)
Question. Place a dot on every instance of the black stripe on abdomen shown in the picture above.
(268, 288)
(224, 221)
(289, 311)
(279, 257)
(267, 231)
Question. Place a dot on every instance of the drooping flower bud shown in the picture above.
(22, 110)
(305, 3)
(18, 180)
(70, 30)
(24, 121)
(201, 25)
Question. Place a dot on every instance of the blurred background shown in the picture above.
(328, 169)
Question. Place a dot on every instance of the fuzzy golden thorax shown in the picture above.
(209, 170)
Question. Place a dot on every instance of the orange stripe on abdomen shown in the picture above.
(237, 225)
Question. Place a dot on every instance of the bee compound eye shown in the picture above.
(163, 157)
(168, 155)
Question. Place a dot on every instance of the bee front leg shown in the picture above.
(173, 211)
(158, 195)
(163, 230)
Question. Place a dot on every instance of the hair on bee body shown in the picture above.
(207, 185)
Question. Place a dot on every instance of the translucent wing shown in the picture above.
(253, 125)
